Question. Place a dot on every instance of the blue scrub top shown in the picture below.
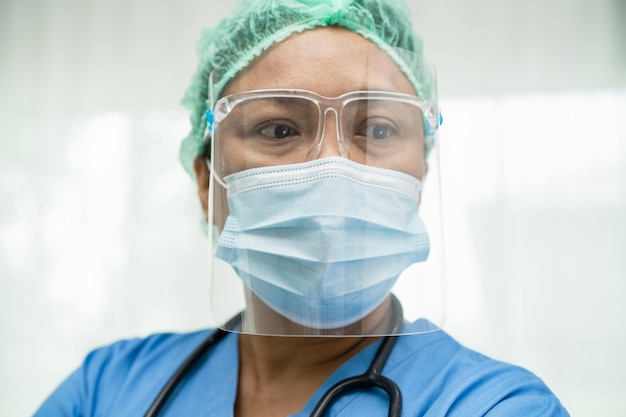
(437, 376)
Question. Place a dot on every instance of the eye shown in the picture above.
(276, 130)
(377, 131)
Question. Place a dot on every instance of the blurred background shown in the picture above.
(100, 234)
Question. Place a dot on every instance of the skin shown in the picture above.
(278, 375)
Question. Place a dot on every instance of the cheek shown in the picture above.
(234, 155)
(411, 162)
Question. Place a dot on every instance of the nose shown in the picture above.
(330, 143)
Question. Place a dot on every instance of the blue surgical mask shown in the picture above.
(322, 242)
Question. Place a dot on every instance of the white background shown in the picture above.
(100, 228)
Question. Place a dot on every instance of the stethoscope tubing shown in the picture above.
(169, 387)
(372, 378)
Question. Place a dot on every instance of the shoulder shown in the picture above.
(129, 353)
(131, 367)
(457, 381)
(124, 360)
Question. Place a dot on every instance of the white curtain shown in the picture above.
(100, 233)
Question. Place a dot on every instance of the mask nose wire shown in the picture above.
(328, 148)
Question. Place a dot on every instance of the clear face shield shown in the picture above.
(324, 213)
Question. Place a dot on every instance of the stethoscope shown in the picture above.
(372, 378)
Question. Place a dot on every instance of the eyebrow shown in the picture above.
(289, 100)
(293, 103)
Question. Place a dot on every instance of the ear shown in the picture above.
(200, 166)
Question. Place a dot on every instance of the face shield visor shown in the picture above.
(324, 212)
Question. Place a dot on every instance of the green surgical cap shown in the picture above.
(255, 25)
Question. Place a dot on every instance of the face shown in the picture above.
(329, 62)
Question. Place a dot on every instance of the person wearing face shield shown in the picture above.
(313, 143)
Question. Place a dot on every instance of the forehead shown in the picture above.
(329, 61)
